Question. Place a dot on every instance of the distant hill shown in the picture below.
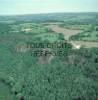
(52, 17)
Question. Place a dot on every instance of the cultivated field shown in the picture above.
(69, 32)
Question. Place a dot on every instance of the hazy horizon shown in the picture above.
(17, 7)
(43, 13)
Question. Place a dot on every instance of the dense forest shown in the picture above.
(73, 76)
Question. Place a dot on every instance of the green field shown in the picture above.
(86, 36)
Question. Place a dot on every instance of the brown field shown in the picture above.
(69, 32)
